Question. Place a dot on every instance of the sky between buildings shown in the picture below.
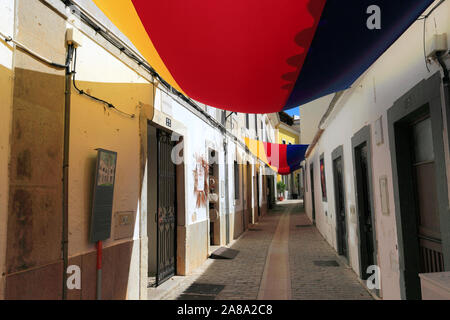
(293, 112)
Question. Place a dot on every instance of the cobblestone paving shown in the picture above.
(312, 282)
(242, 275)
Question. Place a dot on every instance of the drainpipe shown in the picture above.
(446, 78)
(65, 213)
(446, 85)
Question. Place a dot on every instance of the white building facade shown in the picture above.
(377, 172)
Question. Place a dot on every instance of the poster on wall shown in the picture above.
(322, 180)
(102, 203)
(201, 173)
(200, 178)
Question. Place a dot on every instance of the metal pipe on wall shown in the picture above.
(65, 212)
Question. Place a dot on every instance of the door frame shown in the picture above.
(257, 193)
(243, 194)
(313, 201)
(336, 154)
(227, 193)
(305, 184)
(158, 151)
(271, 196)
(363, 136)
(425, 97)
(249, 187)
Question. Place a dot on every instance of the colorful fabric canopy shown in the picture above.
(261, 56)
(282, 158)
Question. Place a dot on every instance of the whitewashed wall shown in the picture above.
(391, 76)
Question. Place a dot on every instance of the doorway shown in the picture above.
(257, 194)
(162, 197)
(420, 184)
(271, 191)
(364, 204)
(424, 179)
(227, 195)
(339, 196)
(313, 202)
(244, 201)
(215, 236)
(249, 194)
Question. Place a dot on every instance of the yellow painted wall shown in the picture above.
(287, 136)
(6, 78)
(5, 129)
(93, 126)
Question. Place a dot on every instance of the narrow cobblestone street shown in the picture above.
(300, 255)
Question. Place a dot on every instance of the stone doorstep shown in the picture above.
(166, 288)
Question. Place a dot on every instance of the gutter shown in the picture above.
(321, 126)
(314, 142)
(331, 107)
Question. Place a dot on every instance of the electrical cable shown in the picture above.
(142, 63)
(82, 92)
(424, 18)
(72, 52)
(128, 53)
(33, 53)
(424, 44)
(132, 56)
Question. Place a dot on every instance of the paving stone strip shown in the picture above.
(276, 280)
(284, 260)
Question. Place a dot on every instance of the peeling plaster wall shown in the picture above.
(32, 113)
(34, 257)
(6, 78)
(392, 75)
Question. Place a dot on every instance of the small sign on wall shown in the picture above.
(384, 195)
(103, 195)
(124, 224)
(378, 131)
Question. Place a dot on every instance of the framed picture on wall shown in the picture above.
(322, 179)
